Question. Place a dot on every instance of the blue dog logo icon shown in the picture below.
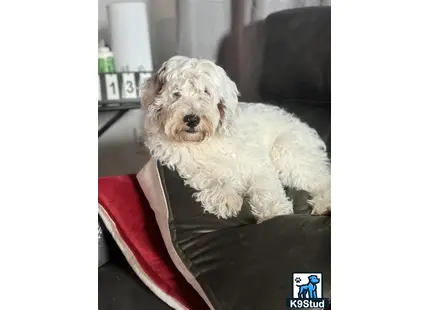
(309, 295)
(308, 290)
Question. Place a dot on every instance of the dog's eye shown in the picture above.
(207, 92)
(177, 94)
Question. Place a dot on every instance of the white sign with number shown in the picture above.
(112, 87)
(129, 89)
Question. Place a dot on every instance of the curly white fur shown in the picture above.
(237, 150)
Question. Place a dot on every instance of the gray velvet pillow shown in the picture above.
(235, 263)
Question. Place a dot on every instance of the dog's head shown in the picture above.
(314, 279)
(189, 99)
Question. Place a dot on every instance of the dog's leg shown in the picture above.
(302, 163)
(311, 292)
(303, 293)
(267, 197)
(222, 201)
(314, 293)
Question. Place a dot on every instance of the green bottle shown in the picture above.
(106, 59)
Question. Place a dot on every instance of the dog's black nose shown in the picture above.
(191, 120)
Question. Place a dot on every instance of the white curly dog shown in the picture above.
(228, 150)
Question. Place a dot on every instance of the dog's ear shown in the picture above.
(228, 102)
(152, 87)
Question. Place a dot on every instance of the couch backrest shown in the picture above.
(295, 62)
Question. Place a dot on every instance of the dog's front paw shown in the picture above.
(224, 205)
(321, 211)
(321, 205)
(230, 206)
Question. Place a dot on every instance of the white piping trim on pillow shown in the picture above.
(153, 190)
(131, 259)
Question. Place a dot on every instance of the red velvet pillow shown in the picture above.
(131, 221)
